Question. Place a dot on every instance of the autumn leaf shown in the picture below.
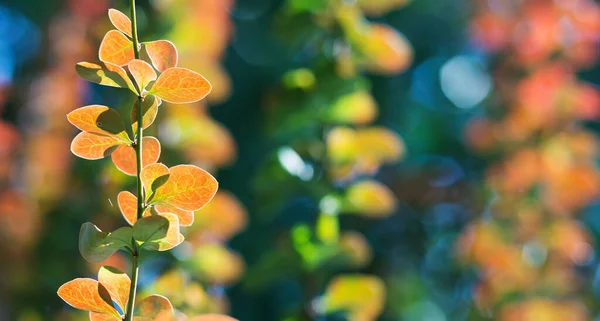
(99, 119)
(188, 187)
(142, 73)
(154, 176)
(186, 218)
(117, 284)
(88, 295)
(116, 48)
(151, 307)
(162, 53)
(149, 112)
(180, 85)
(370, 198)
(105, 73)
(96, 246)
(93, 146)
(158, 232)
(216, 263)
(103, 317)
(124, 157)
(127, 203)
(120, 21)
(361, 296)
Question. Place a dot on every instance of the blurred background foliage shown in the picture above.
(415, 160)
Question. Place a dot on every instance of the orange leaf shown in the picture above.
(98, 119)
(186, 218)
(117, 283)
(116, 48)
(88, 295)
(149, 110)
(105, 73)
(213, 317)
(93, 146)
(142, 73)
(128, 206)
(151, 307)
(180, 85)
(153, 176)
(173, 237)
(188, 188)
(162, 53)
(103, 317)
(120, 21)
(124, 156)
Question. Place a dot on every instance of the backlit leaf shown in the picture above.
(370, 198)
(357, 108)
(128, 206)
(213, 317)
(117, 283)
(154, 176)
(188, 188)
(99, 119)
(162, 53)
(180, 85)
(387, 51)
(149, 112)
(125, 159)
(217, 264)
(361, 296)
(96, 246)
(120, 21)
(88, 295)
(380, 143)
(103, 317)
(152, 229)
(186, 218)
(116, 48)
(105, 73)
(151, 307)
(142, 73)
(223, 217)
(93, 146)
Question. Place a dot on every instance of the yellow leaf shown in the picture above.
(93, 146)
(120, 21)
(101, 120)
(124, 157)
(370, 198)
(88, 295)
(142, 73)
(116, 48)
(162, 53)
(180, 85)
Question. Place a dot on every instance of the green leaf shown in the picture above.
(152, 228)
(105, 73)
(96, 246)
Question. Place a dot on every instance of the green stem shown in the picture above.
(136, 44)
(140, 190)
(134, 276)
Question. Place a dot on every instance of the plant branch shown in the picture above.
(132, 290)
(140, 189)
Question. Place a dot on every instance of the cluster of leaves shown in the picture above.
(322, 119)
(543, 170)
(195, 281)
(168, 196)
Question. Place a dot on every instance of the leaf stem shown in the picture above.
(140, 189)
